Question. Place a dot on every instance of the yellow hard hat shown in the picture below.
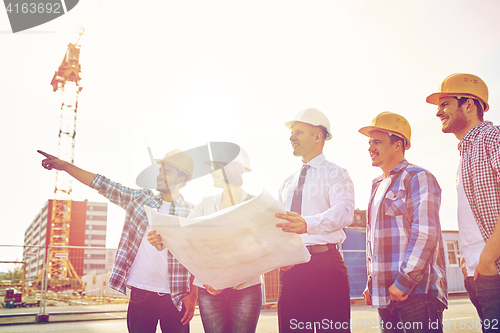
(180, 160)
(462, 85)
(313, 117)
(390, 123)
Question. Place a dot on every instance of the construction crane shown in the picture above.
(59, 271)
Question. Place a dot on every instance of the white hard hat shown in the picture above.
(244, 159)
(225, 156)
(313, 117)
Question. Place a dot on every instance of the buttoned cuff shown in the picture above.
(404, 283)
(312, 225)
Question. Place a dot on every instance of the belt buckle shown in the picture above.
(321, 248)
(161, 294)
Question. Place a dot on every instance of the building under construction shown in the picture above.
(60, 233)
(88, 229)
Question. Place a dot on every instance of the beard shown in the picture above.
(163, 189)
(162, 186)
(458, 123)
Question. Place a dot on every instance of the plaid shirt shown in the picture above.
(133, 230)
(480, 151)
(408, 249)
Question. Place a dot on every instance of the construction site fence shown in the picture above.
(30, 291)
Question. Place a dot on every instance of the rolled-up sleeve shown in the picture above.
(115, 192)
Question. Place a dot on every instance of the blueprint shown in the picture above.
(233, 245)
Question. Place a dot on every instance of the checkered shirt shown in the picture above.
(133, 202)
(408, 248)
(480, 151)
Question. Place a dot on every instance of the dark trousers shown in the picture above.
(315, 295)
(417, 314)
(146, 308)
(487, 296)
(471, 290)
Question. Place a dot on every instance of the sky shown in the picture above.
(178, 74)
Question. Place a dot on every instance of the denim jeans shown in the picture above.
(145, 308)
(471, 290)
(418, 313)
(488, 295)
(232, 311)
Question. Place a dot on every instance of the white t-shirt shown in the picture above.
(470, 236)
(377, 198)
(149, 270)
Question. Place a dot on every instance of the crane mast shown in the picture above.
(66, 80)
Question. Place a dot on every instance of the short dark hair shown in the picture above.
(181, 173)
(395, 138)
(479, 106)
(323, 130)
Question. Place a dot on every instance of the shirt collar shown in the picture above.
(179, 202)
(473, 133)
(402, 165)
(317, 161)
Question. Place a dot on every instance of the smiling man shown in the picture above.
(319, 203)
(161, 288)
(405, 252)
(462, 99)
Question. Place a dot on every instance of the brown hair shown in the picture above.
(478, 104)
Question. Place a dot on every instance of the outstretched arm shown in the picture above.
(51, 162)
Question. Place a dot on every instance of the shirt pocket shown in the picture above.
(395, 202)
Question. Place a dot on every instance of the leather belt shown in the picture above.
(147, 291)
(321, 248)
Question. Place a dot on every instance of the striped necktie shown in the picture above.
(297, 194)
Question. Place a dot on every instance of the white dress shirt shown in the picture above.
(327, 201)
